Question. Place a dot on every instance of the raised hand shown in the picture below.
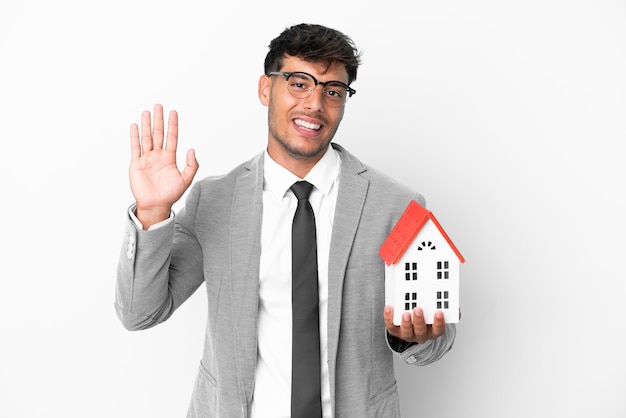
(155, 179)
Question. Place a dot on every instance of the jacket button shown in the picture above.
(130, 253)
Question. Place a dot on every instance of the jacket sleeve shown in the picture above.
(427, 353)
(157, 270)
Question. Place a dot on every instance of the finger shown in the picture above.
(191, 167)
(439, 325)
(406, 327)
(146, 132)
(135, 146)
(172, 131)
(158, 129)
(420, 329)
(388, 318)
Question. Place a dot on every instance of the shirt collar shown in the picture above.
(278, 179)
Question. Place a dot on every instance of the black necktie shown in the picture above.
(305, 375)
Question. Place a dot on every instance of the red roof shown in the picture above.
(406, 229)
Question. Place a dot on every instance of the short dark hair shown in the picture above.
(315, 43)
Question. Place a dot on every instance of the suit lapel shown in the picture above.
(245, 253)
(350, 201)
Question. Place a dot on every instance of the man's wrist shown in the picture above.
(398, 345)
(150, 217)
(132, 212)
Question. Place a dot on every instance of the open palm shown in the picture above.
(155, 180)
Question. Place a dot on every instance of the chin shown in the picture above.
(307, 153)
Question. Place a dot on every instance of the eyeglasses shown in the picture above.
(301, 85)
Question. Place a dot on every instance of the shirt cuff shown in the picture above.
(132, 213)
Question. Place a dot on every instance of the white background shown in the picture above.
(508, 116)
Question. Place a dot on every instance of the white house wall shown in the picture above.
(427, 285)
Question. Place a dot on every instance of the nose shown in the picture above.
(315, 101)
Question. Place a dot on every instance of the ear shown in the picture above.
(265, 85)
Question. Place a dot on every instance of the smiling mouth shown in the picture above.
(307, 125)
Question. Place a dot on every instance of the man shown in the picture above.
(234, 234)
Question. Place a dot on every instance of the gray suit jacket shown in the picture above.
(215, 240)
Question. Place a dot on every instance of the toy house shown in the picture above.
(421, 266)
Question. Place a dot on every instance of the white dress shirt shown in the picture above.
(272, 393)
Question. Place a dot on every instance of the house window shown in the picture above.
(410, 301)
(443, 270)
(410, 271)
(426, 245)
(443, 300)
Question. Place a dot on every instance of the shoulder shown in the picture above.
(226, 181)
(218, 190)
(382, 189)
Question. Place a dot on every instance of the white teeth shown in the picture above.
(307, 125)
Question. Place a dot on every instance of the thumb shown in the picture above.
(191, 167)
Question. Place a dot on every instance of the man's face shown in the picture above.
(300, 130)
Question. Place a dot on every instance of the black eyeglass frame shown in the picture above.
(288, 74)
